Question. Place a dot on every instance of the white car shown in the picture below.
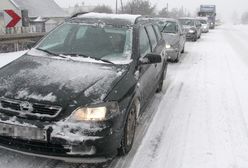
(205, 24)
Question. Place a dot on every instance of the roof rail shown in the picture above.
(79, 13)
(146, 18)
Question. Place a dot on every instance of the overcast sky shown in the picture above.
(225, 8)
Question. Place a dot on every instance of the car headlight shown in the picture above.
(167, 46)
(94, 113)
(191, 31)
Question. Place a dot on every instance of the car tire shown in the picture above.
(195, 38)
(128, 132)
(178, 57)
(183, 50)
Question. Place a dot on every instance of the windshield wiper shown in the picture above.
(103, 60)
(86, 56)
(51, 53)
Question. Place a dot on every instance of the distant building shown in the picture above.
(39, 11)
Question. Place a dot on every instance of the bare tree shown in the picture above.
(164, 12)
(103, 9)
(142, 7)
(174, 13)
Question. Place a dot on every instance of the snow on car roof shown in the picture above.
(202, 18)
(166, 19)
(191, 18)
(127, 17)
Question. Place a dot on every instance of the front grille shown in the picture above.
(30, 146)
(26, 108)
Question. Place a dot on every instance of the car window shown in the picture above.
(59, 36)
(170, 27)
(180, 30)
(108, 42)
(144, 44)
(81, 32)
(203, 21)
(187, 22)
(152, 36)
(197, 23)
(157, 31)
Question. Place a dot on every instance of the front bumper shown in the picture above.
(99, 145)
(172, 54)
(205, 30)
(191, 36)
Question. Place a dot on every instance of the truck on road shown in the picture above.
(208, 11)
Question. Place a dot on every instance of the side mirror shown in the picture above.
(151, 58)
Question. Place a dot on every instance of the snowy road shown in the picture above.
(200, 121)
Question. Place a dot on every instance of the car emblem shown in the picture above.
(26, 107)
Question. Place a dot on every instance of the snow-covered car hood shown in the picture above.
(170, 38)
(57, 81)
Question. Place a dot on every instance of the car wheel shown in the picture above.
(183, 50)
(129, 132)
(178, 57)
(195, 38)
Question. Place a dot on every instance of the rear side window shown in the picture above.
(158, 33)
(144, 43)
(152, 36)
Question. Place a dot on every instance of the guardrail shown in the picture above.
(16, 42)
(18, 30)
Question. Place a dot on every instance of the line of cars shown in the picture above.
(176, 31)
(77, 95)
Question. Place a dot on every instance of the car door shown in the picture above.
(182, 37)
(198, 27)
(146, 72)
(160, 49)
(155, 49)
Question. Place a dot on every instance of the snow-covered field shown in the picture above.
(199, 121)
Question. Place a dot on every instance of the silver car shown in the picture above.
(192, 27)
(174, 36)
(204, 23)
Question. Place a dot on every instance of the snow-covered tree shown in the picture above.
(142, 7)
(103, 9)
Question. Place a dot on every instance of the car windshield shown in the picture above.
(170, 27)
(187, 22)
(203, 21)
(98, 42)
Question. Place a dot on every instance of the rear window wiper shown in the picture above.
(86, 56)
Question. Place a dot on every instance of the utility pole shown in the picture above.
(121, 5)
(116, 6)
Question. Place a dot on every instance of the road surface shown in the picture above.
(200, 119)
